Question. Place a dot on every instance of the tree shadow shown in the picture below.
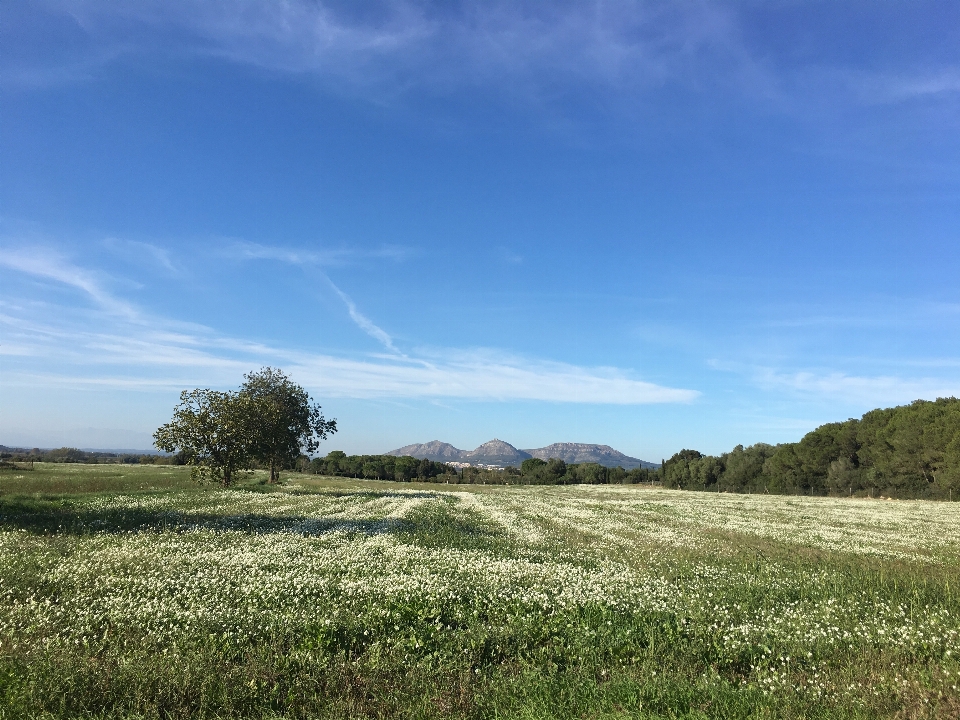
(46, 518)
(435, 525)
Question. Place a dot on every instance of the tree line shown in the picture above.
(87, 457)
(533, 471)
(911, 451)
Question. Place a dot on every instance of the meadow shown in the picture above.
(130, 592)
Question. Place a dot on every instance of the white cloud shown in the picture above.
(946, 80)
(252, 251)
(137, 249)
(50, 265)
(869, 391)
(540, 55)
(152, 360)
(126, 350)
(394, 46)
(328, 257)
(364, 323)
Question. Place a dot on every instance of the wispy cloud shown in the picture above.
(134, 248)
(940, 82)
(47, 264)
(363, 322)
(152, 360)
(400, 45)
(294, 256)
(875, 87)
(529, 53)
(252, 251)
(121, 350)
(869, 391)
(328, 257)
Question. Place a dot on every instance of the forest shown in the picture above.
(910, 451)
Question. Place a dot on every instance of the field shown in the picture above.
(127, 591)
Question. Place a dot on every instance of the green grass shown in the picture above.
(68, 478)
(133, 593)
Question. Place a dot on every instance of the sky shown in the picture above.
(652, 225)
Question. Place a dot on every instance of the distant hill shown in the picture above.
(578, 453)
(498, 452)
(433, 450)
(495, 452)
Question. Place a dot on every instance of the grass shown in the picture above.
(69, 478)
(129, 592)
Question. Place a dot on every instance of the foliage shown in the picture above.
(531, 465)
(531, 472)
(286, 422)
(270, 422)
(214, 431)
(87, 457)
(381, 467)
(911, 451)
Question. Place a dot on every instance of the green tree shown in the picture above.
(676, 472)
(287, 422)
(742, 467)
(531, 465)
(211, 431)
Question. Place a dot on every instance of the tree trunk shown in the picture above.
(274, 473)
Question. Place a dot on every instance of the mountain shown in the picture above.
(434, 450)
(495, 452)
(578, 453)
(498, 452)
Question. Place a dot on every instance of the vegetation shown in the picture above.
(270, 420)
(214, 431)
(333, 598)
(531, 472)
(10, 456)
(382, 467)
(49, 479)
(912, 451)
(286, 423)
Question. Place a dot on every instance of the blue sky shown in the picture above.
(650, 225)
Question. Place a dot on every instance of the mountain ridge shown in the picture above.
(498, 452)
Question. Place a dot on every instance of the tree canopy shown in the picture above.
(286, 423)
(907, 451)
(270, 421)
(213, 431)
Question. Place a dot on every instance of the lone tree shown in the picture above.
(213, 431)
(286, 422)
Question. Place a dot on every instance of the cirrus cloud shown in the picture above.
(107, 342)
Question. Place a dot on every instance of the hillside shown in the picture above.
(578, 453)
(434, 450)
(498, 452)
(495, 452)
